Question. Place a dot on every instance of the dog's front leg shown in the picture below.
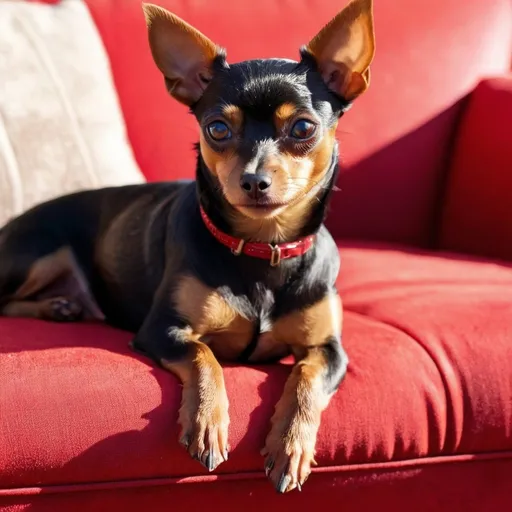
(314, 334)
(203, 414)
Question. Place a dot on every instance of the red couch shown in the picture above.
(423, 420)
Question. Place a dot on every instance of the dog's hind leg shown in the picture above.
(51, 287)
(58, 309)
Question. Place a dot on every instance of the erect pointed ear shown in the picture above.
(182, 53)
(344, 49)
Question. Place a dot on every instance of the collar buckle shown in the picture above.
(275, 257)
(239, 248)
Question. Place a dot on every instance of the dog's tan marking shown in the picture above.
(282, 227)
(55, 275)
(200, 362)
(310, 326)
(204, 408)
(212, 159)
(211, 318)
(290, 445)
(268, 348)
(57, 309)
(234, 115)
(26, 309)
(283, 114)
(45, 271)
(321, 155)
(221, 165)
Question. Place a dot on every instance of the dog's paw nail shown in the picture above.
(300, 483)
(269, 466)
(185, 441)
(283, 484)
(226, 455)
(210, 462)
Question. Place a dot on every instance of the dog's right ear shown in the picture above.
(182, 53)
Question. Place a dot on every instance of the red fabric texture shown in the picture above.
(476, 485)
(428, 395)
(396, 140)
(478, 213)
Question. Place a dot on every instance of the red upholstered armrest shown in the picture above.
(477, 216)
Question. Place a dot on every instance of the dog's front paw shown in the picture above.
(204, 425)
(289, 453)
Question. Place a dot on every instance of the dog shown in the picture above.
(235, 265)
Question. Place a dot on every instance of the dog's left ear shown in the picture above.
(183, 54)
(344, 49)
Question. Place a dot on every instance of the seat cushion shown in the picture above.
(457, 310)
(430, 344)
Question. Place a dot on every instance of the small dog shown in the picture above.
(236, 264)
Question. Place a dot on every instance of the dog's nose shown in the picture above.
(255, 185)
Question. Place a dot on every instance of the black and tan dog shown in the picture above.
(235, 265)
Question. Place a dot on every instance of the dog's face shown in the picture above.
(267, 133)
(267, 127)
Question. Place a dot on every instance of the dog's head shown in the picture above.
(267, 127)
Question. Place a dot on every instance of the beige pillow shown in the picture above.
(61, 128)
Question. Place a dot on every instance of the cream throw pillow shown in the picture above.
(61, 129)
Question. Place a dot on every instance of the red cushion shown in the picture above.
(456, 310)
(431, 359)
(478, 211)
(394, 143)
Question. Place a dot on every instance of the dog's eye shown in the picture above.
(219, 131)
(303, 129)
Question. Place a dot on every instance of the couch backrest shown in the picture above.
(395, 142)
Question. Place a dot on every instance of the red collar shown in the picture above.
(274, 253)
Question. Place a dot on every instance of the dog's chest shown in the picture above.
(230, 325)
